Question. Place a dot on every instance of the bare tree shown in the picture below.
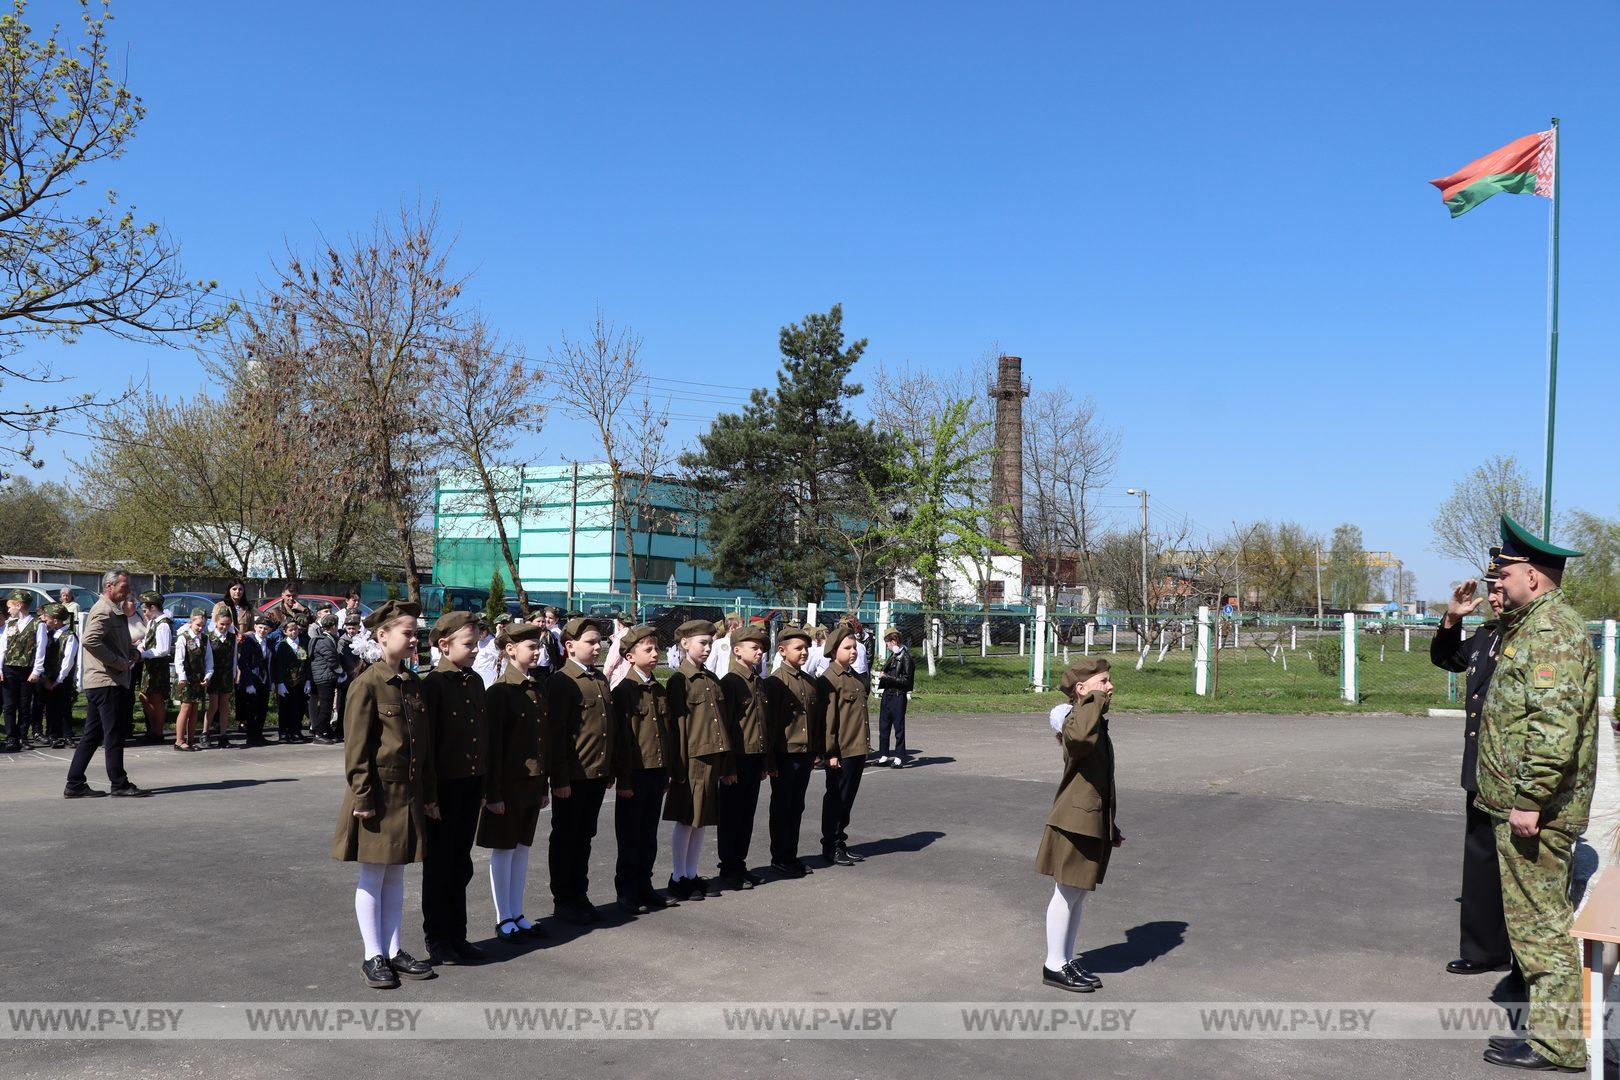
(487, 400)
(1069, 457)
(605, 383)
(1467, 525)
(63, 268)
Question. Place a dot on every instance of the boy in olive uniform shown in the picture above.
(453, 700)
(796, 705)
(747, 728)
(646, 746)
(22, 645)
(61, 667)
(579, 713)
(848, 738)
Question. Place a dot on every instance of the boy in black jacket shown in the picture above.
(325, 669)
(896, 681)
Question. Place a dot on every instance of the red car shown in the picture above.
(316, 601)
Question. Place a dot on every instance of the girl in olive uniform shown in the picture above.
(515, 780)
(222, 639)
(705, 760)
(193, 667)
(1080, 831)
(388, 756)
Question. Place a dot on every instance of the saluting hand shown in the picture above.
(1463, 602)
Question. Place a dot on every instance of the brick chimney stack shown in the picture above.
(1007, 480)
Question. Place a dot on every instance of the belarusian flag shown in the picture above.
(1522, 167)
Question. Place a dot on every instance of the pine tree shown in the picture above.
(495, 606)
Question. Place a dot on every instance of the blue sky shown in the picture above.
(1214, 219)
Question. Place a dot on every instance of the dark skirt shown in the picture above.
(157, 674)
(220, 681)
(696, 802)
(1072, 859)
(392, 836)
(508, 830)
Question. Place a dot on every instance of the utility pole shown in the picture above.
(1319, 586)
(1146, 628)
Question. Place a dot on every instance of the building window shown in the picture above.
(656, 568)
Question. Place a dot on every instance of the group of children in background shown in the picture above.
(39, 657)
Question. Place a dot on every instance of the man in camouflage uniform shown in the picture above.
(1537, 765)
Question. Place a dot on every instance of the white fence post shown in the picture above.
(1201, 657)
(885, 619)
(1293, 638)
(810, 613)
(1041, 636)
(1348, 643)
(984, 638)
(1113, 642)
(1608, 657)
(1090, 628)
(1406, 632)
(1021, 628)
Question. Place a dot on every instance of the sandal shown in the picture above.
(181, 746)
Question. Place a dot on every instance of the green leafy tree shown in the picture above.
(1593, 583)
(778, 484)
(38, 519)
(1349, 580)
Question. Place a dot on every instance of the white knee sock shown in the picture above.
(516, 880)
(1062, 924)
(368, 908)
(393, 907)
(500, 872)
(684, 844)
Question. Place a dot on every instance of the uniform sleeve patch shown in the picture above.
(1545, 677)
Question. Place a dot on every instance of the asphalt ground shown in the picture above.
(1268, 858)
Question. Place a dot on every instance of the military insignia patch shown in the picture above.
(1545, 677)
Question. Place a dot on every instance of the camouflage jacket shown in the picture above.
(1538, 742)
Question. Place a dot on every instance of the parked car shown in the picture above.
(317, 602)
(179, 604)
(49, 592)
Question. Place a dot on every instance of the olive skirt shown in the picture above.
(1072, 859)
(505, 831)
(696, 802)
(157, 674)
(393, 835)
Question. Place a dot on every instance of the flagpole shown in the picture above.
(1552, 340)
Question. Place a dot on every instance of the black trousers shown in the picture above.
(1484, 936)
(109, 714)
(573, 827)
(251, 710)
(320, 708)
(17, 693)
(788, 787)
(290, 709)
(447, 866)
(842, 784)
(738, 802)
(892, 717)
(59, 710)
(342, 702)
(635, 825)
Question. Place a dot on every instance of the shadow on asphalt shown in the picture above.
(223, 785)
(1142, 945)
(910, 842)
(919, 762)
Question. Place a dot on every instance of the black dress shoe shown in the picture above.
(468, 953)
(58, 744)
(1476, 967)
(82, 791)
(735, 882)
(1521, 1055)
(655, 902)
(631, 905)
(325, 740)
(850, 855)
(1064, 979)
(1073, 968)
(788, 870)
(223, 744)
(752, 878)
(407, 966)
(838, 857)
(703, 886)
(570, 912)
(379, 976)
(130, 791)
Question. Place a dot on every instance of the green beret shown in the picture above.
(694, 628)
(636, 635)
(261, 619)
(838, 633)
(26, 598)
(199, 610)
(1081, 670)
(450, 622)
(56, 611)
(750, 633)
(389, 610)
(522, 631)
(328, 618)
(578, 625)
(503, 618)
(787, 633)
(153, 598)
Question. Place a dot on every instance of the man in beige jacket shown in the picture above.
(109, 656)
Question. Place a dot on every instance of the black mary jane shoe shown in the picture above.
(681, 889)
(407, 966)
(533, 930)
(508, 930)
(379, 975)
(702, 886)
(1064, 979)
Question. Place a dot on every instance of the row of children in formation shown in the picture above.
(440, 763)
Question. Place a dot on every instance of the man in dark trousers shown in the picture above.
(894, 685)
(325, 669)
(1484, 937)
(453, 699)
(253, 654)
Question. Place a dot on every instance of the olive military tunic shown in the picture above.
(705, 753)
(646, 736)
(795, 712)
(746, 715)
(1080, 829)
(454, 698)
(516, 775)
(389, 760)
(579, 719)
(848, 719)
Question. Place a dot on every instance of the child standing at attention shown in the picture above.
(389, 761)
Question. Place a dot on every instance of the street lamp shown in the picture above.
(1144, 496)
